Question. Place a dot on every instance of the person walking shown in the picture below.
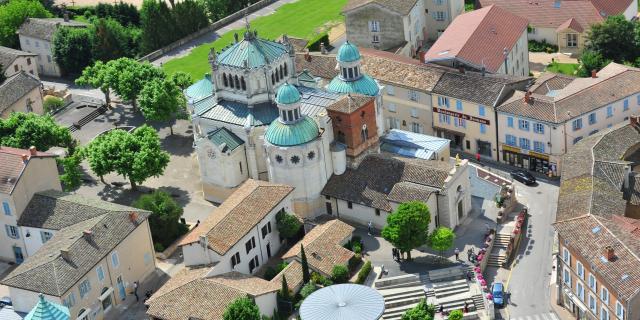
(135, 290)
(457, 252)
(369, 226)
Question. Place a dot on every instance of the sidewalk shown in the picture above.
(503, 169)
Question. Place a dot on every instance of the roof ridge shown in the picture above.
(619, 241)
(594, 84)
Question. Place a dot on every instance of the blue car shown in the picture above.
(498, 294)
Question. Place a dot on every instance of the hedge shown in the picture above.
(537, 46)
(364, 272)
(314, 43)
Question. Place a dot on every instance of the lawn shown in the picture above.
(303, 19)
(564, 68)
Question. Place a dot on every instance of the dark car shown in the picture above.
(5, 301)
(523, 176)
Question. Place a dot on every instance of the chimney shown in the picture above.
(627, 176)
(65, 16)
(133, 216)
(323, 49)
(65, 255)
(25, 158)
(594, 74)
(527, 97)
(307, 56)
(609, 253)
(87, 234)
(461, 69)
(33, 150)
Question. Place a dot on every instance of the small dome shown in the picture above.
(348, 53)
(288, 94)
(365, 85)
(293, 134)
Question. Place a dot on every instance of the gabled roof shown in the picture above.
(44, 29)
(402, 7)
(486, 90)
(199, 90)
(16, 87)
(612, 8)
(293, 273)
(323, 246)
(479, 38)
(191, 294)
(12, 166)
(9, 55)
(237, 215)
(350, 103)
(226, 140)
(570, 24)
(52, 273)
(545, 14)
(548, 83)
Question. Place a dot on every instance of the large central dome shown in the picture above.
(255, 51)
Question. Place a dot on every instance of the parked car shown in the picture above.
(497, 290)
(5, 301)
(523, 176)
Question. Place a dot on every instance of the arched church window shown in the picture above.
(277, 76)
(290, 115)
(344, 73)
(311, 155)
(273, 78)
(356, 72)
(231, 84)
(296, 114)
(364, 133)
(350, 73)
(295, 159)
(281, 72)
(278, 158)
(243, 84)
(286, 72)
(362, 114)
(224, 80)
(237, 82)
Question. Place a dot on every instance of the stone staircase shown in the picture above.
(498, 256)
(88, 118)
(400, 294)
(478, 301)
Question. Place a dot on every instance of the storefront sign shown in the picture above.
(510, 148)
(539, 155)
(460, 115)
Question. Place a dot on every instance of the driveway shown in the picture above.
(538, 61)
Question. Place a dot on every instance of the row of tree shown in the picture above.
(13, 13)
(614, 40)
(162, 25)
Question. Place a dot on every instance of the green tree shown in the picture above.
(181, 79)
(242, 309)
(308, 289)
(340, 274)
(614, 39)
(189, 17)
(51, 103)
(422, 311)
(72, 174)
(72, 49)
(162, 100)
(157, 25)
(100, 76)
(456, 315)
(306, 276)
(284, 291)
(22, 130)
(136, 156)
(288, 225)
(408, 227)
(590, 61)
(110, 40)
(131, 77)
(164, 221)
(13, 13)
(442, 239)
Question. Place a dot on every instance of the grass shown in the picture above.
(564, 68)
(303, 19)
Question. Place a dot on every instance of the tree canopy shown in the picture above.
(132, 76)
(110, 40)
(615, 39)
(72, 48)
(100, 76)
(340, 273)
(136, 156)
(242, 309)
(442, 239)
(71, 177)
(408, 227)
(164, 221)
(288, 225)
(23, 130)
(182, 79)
(162, 100)
(422, 311)
(13, 13)
(306, 275)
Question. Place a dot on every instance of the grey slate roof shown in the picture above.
(48, 272)
(44, 29)
(402, 7)
(549, 81)
(372, 184)
(8, 55)
(222, 135)
(16, 87)
(486, 90)
(56, 210)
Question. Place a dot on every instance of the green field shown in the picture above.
(564, 68)
(303, 19)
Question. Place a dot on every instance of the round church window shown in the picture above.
(295, 159)
(311, 155)
(279, 158)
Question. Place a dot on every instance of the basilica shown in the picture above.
(254, 119)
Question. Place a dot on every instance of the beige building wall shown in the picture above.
(439, 14)
(22, 63)
(45, 62)
(31, 102)
(407, 109)
(563, 43)
(517, 63)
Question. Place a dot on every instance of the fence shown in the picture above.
(210, 28)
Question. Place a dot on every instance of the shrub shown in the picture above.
(456, 315)
(308, 289)
(354, 262)
(52, 104)
(340, 274)
(271, 272)
(422, 311)
(158, 247)
(364, 272)
(319, 279)
(542, 46)
(314, 44)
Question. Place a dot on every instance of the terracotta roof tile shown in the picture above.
(544, 14)
(293, 273)
(570, 24)
(350, 103)
(12, 166)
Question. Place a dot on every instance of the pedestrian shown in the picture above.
(369, 227)
(394, 253)
(466, 307)
(469, 275)
(135, 290)
(478, 156)
(441, 309)
(457, 252)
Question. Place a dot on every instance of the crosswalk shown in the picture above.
(541, 316)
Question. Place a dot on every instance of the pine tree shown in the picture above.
(284, 292)
(305, 266)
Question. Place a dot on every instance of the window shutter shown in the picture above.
(17, 233)
(6, 228)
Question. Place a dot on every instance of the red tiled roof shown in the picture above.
(12, 166)
(572, 24)
(479, 38)
(544, 14)
(613, 7)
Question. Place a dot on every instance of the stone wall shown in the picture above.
(391, 27)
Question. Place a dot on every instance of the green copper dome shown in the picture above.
(47, 310)
(348, 53)
(293, 134)
(288, 94)
(364, 85)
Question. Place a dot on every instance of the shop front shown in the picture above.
(573, 304)
(456, 138)
(527, 159)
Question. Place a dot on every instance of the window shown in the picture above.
(84, 288)
(566, 256)
(439, 2)
(619, 310)
(374, 26)
(592, 118)
(416, 127)
(6, 208)
(70, 300)
(45, 236)
(27, 41)
(604, 313)
(592, 304)
(523, 125)
(580, 270)
(251, 243)
(538, 127)
(604, 295)
(566, 276)
(413, 95)
(12, 232)
(538, 146)
(525, 143)
(235, 259)
(414, 112)
(577, 124)
(443, 101)
(15, 68)
(572, 40)
(254, 263)
(390, 90)
(391, 107)
(483, 128)
(100, 273)
(439, 15)
(576, 140)
(445, 118)
(638, 99)
(28, 61)
(458, 105)
(510, 122)
(350, 205)
(580, 290)
(609, 111)
(394, 123)
(375, 38)
(511, 140)
(592, 282)
(625, 105)
(459, 122)
(377, 212)
(115, 260)
(481, 111)
(49, 58)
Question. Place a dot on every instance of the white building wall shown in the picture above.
(46, 64)
(632, 10)
(34, 241)
(359, 214)
(547, 34)
(24, 300)
(457, 190)
(267, 303)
